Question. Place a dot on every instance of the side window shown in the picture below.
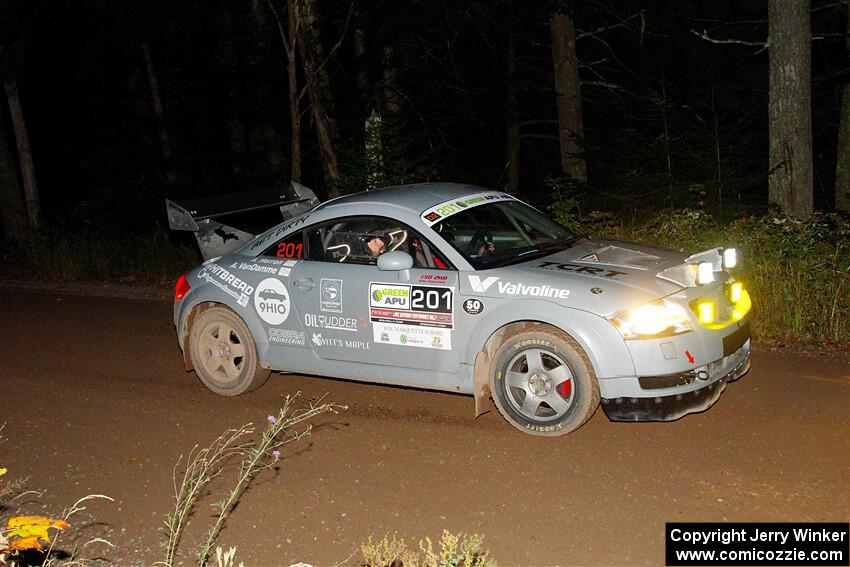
(291, 246)
(361, 240)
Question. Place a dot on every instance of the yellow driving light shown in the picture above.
(705, 311)
(714, 316)
(735, 292)
(657, 319)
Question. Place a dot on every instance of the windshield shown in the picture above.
(502, 233)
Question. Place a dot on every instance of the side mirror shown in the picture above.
(395, 261)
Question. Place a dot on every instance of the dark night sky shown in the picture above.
(221, 68)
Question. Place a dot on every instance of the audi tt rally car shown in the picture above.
(463, 289)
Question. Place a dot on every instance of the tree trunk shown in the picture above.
(842, 166)
(11, 200)
(512, 147)
(374, 149)
(790, 113)
(319, 89)
(570, 129)
(156, 99)
(288, 38)
(294, 98)
(31, 199)
(362, 66)
(392, 101)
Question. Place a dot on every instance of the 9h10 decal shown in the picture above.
(271, 301)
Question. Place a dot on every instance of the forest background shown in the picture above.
(683, 123)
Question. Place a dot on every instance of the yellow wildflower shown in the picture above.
(2, 471)
(29, 531)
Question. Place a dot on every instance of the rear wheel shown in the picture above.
(223, 353)
(543, 383)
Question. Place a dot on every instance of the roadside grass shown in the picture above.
(156, 256)
(797, 271)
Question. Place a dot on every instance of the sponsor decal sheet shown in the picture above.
(411, 315)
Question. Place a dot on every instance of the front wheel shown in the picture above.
(223, 353)
(542, 382)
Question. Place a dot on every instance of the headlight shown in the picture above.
(656, 319)
(705, 273)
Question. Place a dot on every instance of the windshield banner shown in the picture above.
(448, 208)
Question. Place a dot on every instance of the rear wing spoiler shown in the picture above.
(217, 239)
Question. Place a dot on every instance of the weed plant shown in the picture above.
(205, 464)
(453, 550)
(34, 540)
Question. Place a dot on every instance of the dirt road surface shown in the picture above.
(95, 400)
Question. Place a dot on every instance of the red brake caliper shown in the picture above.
(564, 388)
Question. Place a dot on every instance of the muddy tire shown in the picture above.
(224, 354)
(543, 383)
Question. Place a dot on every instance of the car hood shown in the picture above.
(600, 276)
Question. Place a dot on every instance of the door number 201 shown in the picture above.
(431, 299)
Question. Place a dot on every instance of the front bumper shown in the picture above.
(672, 407)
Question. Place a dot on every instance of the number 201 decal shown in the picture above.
(433, 299)
(289, 250)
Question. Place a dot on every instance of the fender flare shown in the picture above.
(603, 345)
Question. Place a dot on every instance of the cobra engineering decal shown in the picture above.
(271, 300)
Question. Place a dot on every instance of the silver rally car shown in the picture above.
(463, 289)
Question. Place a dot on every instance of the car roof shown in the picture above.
(416, 197)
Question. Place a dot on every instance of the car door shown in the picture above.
(353, 311)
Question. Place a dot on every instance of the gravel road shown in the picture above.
(95, 400)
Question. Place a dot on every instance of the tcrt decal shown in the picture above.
(586, 270)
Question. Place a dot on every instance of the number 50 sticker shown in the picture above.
(473, 306)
